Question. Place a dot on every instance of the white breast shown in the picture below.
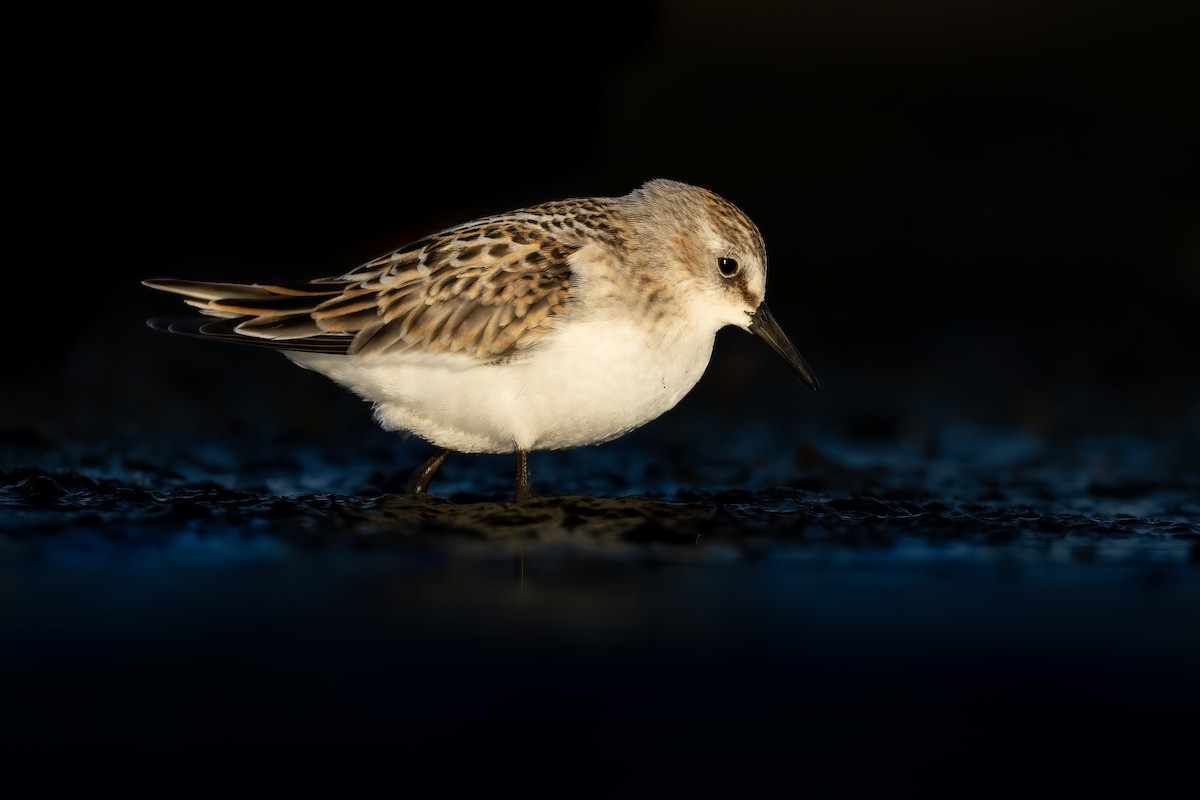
(587, 383)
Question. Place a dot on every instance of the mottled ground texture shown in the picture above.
(730, 612)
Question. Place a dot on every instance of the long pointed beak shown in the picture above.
(764, 326)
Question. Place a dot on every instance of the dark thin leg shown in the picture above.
(418, 482)
(522, 483)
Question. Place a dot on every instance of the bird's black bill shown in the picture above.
(764, 326)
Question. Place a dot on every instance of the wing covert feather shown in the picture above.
(485, 290)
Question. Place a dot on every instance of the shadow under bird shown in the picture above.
(559, 325)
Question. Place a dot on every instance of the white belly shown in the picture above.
(585, 384)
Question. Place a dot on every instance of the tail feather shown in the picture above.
(264, 315)
(202, 290)
(226, 330)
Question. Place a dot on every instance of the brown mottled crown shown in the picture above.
(689, 206)
(734, 226)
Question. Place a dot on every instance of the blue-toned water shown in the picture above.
(853, 612)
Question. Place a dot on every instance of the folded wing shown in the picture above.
(486, 290)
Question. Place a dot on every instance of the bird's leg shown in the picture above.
(521, 484)
(418, 482)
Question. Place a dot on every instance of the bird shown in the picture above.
(558, 325)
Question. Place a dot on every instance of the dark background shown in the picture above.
(990, 208)
(979, 216)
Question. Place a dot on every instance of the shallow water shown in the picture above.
(949, 603)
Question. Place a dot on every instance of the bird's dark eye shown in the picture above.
(728, 266)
